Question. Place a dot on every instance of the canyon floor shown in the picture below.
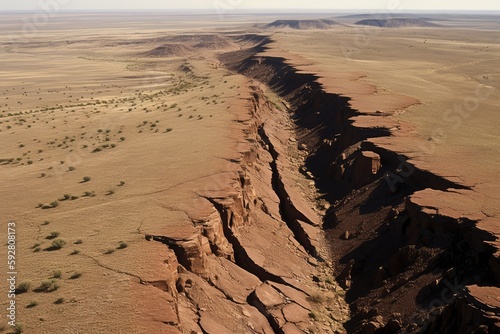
(231, 174)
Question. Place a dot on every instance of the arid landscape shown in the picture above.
(251, 174)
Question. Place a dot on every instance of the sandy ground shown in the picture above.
(147, 132)
(79, 101)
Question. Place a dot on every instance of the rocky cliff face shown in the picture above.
(413, 249)
(257, 263)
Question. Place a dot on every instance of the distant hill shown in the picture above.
(397, 23)
(168, 50)
(302, 24)
(183, 45)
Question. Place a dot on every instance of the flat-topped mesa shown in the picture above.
(397, 23)
(303, 24)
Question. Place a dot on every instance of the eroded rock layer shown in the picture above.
(413, 249)
(255, 260)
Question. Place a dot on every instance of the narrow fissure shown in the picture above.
(325, 123)
(279, 188)
(241, 258)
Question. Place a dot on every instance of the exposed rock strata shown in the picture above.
(410, 244)
(248, 266)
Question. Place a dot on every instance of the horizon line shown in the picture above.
(274, 10)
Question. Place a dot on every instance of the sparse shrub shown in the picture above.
(71, 168)
(109, 251)
(121, 183)
(313, 315)
(23, 287)
(58, 243)
(122, 245)
(49, 285)
(18, 329)
(122, 138)
(76, 275)
(75, 252)
(32, 304)
(43, 175)
(74, 197)
(316, 298)
(78, 242)
(53, 235)
(110, 192)
(59, 301)
(57, 274)
(54, 204)
(86, 178)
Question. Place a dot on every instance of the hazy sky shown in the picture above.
(252, 4)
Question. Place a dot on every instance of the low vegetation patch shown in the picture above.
(76, 275)
(23, 287)
(58, 244)
(48, 285)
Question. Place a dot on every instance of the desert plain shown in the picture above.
(251, 174)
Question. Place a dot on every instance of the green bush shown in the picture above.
(18, 329)
(23, 287)
(58, 243)
(53, 235)
(32, 304)
(49, 285)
